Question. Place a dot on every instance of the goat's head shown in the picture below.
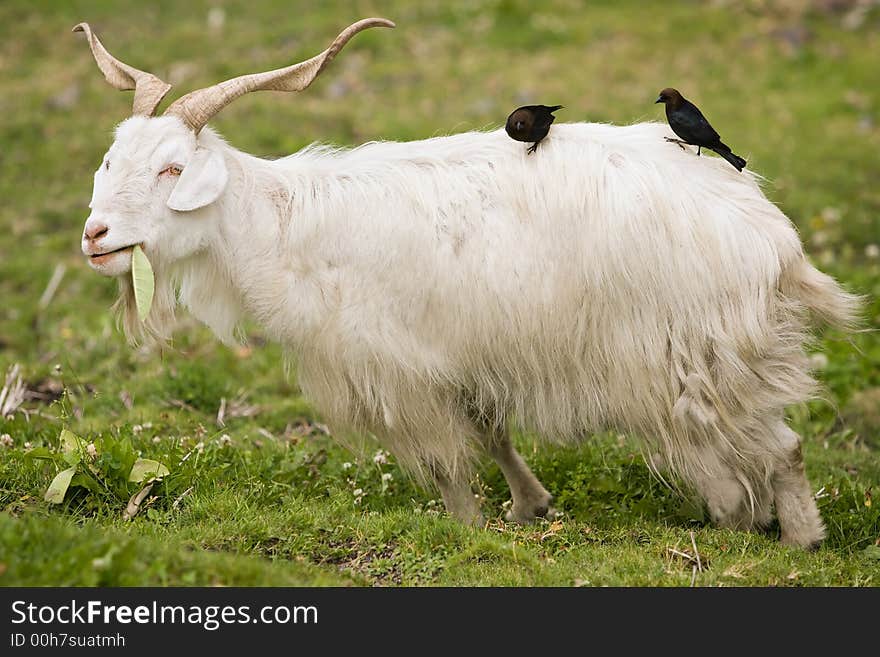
(157, 183)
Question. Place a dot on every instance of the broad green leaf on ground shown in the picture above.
(71, 446)
(87, 481)
(142, 279)
(144, 468)
(58, 487)
(39, 453)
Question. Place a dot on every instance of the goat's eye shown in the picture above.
(172, 170)
(107, 165)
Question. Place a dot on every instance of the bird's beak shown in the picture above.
(659, 100)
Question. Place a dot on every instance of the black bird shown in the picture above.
(688, 122)
(530, 123)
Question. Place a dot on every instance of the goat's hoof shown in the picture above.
(526, 515)
(808, 536)
(810, 544)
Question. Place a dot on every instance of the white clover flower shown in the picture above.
(831, 215)
(27, 445)
(136, 429)
(872, 251)
(91, 450)
(216, 18)
(200, 447)
(6, 440)
(225, 440)
(386, 476)
(346, 466)
(380, 457)
(357, 492)
(156, 440)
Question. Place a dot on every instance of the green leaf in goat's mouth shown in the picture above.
(143, 281)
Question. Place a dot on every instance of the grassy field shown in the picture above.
(270, 498)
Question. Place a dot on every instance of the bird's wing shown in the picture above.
(542, 122)
(701, 129)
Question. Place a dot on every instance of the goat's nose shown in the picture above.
(96, 231)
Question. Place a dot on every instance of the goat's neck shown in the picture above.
(266, 275)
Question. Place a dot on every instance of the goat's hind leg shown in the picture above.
(796, 509)
(729, 503)
(734, 497)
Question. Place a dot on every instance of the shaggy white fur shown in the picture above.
(434, 291)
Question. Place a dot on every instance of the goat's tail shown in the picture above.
(822, 296)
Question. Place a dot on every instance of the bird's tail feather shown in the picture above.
(724, 151)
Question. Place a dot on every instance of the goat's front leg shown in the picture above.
(460, 501)
(530, 499)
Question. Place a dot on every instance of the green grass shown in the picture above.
(795, 91)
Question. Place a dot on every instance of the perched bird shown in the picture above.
(530, 123)
(688, 122)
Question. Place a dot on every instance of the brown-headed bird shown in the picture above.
(530, 123)
(688, 122)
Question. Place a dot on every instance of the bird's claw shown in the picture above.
(676, 141)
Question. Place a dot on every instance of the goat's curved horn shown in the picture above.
(148, 89)
(198, 107)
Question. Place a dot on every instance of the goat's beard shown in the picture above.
(159, 322)
(200, 284)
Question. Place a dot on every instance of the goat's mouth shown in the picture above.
(102, 257)
(100, 261)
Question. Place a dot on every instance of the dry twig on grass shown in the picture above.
(180, 497)
(13, 393)
(134, 504)
(697, 562)
(238, 407)
(51, 287)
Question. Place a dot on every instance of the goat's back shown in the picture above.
(593, 283)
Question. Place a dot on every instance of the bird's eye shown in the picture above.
(171, 170)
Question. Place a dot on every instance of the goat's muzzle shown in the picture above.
(104, 256)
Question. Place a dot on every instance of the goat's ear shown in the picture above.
(202, 181)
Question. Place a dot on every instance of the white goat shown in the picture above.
(433, 292)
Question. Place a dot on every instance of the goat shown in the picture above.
(433, 293)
